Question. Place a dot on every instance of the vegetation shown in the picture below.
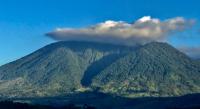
(17, 105)
(106, 101)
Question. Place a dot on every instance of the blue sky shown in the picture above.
(23, 23)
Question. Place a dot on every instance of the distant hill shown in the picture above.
(63, 68)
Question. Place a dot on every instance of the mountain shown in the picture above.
(63, 68)
(55, 69)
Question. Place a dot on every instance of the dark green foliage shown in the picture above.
(17, 105)
(106, 101)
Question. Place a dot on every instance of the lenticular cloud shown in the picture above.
(143, 30)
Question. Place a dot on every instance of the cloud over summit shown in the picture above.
(143, 30)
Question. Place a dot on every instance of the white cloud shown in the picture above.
(148, 18)
(145, 29)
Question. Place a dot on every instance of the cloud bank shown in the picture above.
(193, 52)
(143, 30)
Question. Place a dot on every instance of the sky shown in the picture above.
(24, 23)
